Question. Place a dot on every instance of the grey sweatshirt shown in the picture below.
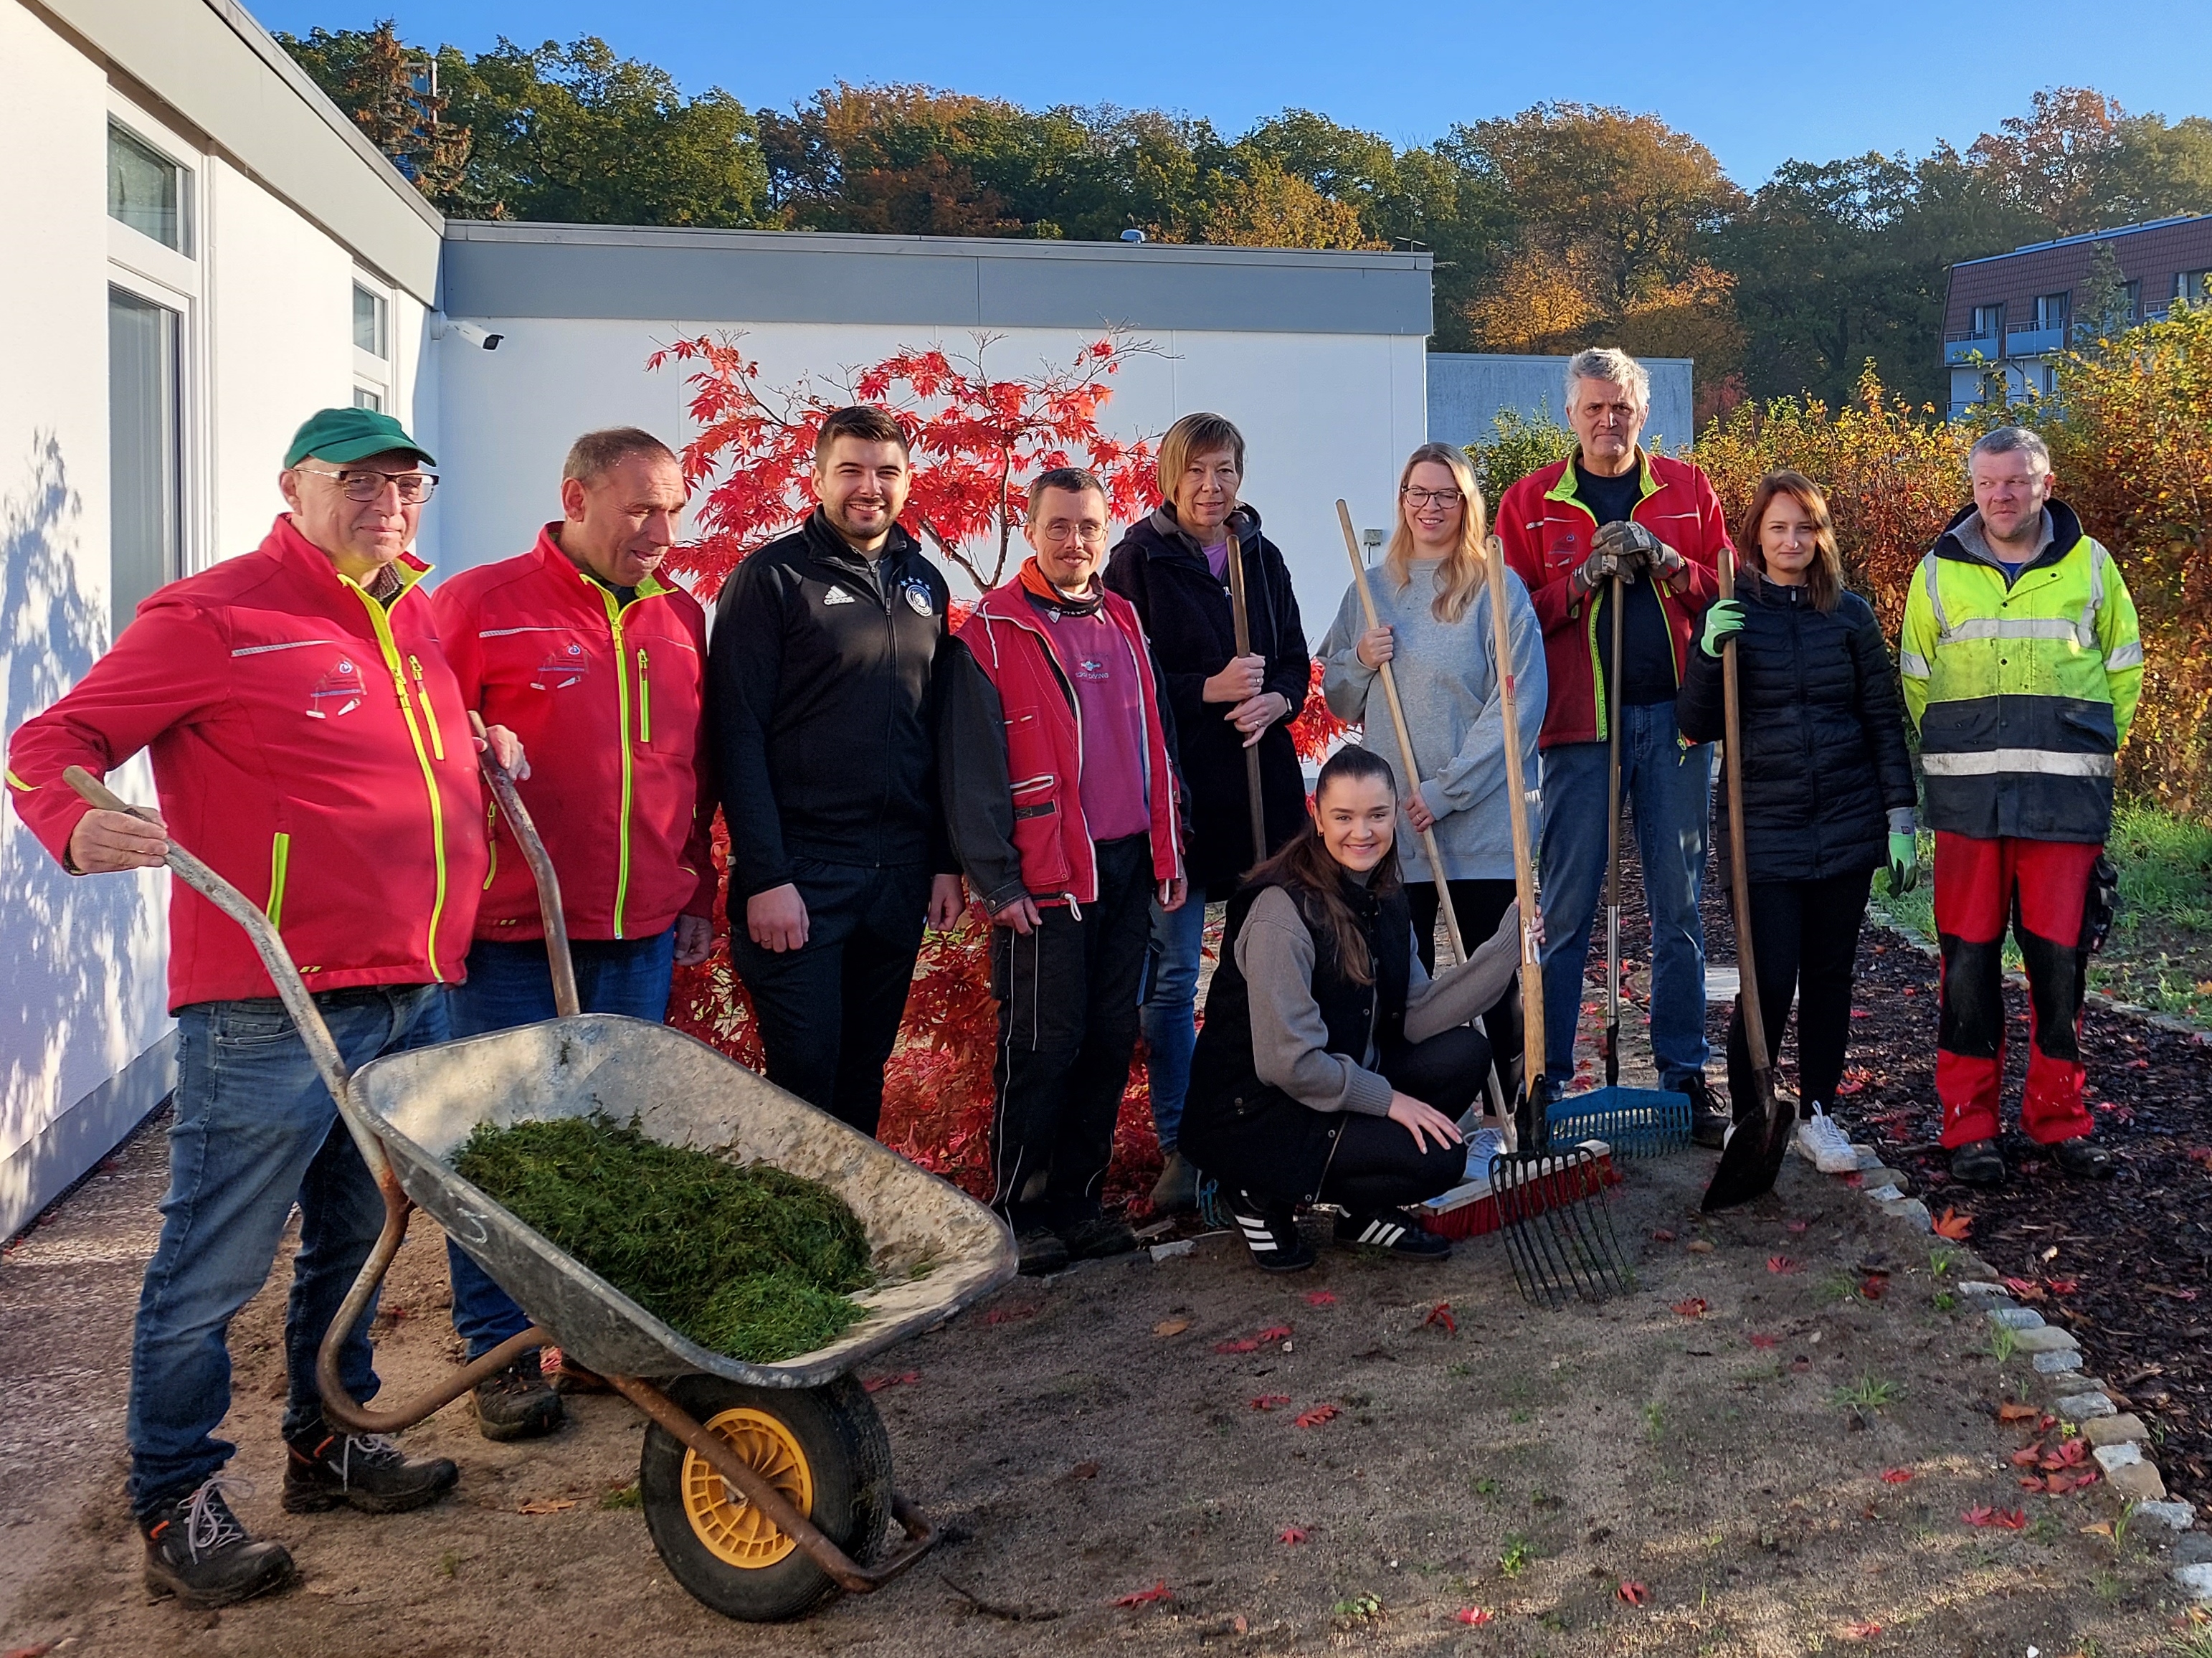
(1289, 1039)
(1448, 682)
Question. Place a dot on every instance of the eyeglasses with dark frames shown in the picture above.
(366, 483)
(1417, 499)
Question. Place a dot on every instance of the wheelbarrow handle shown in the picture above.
(290, 988)
(566, 1004)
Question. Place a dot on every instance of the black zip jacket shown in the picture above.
(1824, 754)
(1160, 568)
(822, 682)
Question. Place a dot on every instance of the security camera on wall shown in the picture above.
(441, 325)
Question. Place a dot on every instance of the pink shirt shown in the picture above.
(1110, 704)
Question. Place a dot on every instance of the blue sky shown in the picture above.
(1758, 83)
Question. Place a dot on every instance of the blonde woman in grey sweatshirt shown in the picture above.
(1433, 604)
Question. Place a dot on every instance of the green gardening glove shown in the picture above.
(1903, 862)
(1724, 617)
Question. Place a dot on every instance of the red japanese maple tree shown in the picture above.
(977, 442)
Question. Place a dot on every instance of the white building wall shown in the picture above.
(1323, 415)
(85, 1047)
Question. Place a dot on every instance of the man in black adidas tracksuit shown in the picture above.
(821, 680)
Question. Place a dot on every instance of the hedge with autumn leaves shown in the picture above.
(977, 440)
(2130, 427)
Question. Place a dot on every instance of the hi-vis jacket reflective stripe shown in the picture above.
(310, 744)
(2023, 690)
(1548, 533)
(608, 700)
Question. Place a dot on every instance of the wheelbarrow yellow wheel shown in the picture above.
(823, 1448)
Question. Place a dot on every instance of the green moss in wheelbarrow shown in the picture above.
(744, 1259)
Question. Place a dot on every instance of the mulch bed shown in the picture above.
(2125, 1264)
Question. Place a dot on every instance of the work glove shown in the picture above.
(1649, 552)
(1722, 618)
(1903, 851)
(1627, 542)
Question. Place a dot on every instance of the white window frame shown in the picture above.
(143, 266)
(379, 376)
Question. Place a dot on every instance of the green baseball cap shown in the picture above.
(344, 434)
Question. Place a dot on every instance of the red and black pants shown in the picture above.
(2041, 889)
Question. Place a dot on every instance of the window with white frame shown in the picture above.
(372, 344)
(2194, 286)
(153, 294)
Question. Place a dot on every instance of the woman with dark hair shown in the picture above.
(1331, 1068)
(1174, 566)
(1827, 788)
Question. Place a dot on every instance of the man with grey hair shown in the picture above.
(1614, 521)
(2022, 665)
(1057, 764)
(580, 643)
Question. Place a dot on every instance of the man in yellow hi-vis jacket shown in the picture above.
(2021, 666)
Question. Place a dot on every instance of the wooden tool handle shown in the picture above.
(550, 914)
(1755, 1027)
(1240, 619)
(1519, 797)
(1404, 742)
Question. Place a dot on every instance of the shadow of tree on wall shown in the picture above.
(75, 955)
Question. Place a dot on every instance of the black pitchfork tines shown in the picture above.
(1557, 1226)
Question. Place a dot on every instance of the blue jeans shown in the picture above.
(1170, 1003)
(1666, 788)
(255, 1132)
(510, 985)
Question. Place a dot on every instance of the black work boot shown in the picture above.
(2083, 1158)
(327, 1469)
(196, 1551)
(1395, 1230)
(1978, 1162)
(1709, 1124)
(1095, 1238)
(1041, 1252)
(1271, 1232)
(518, 1402)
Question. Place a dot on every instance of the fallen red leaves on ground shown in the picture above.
(1477, 1615)
(1320, 1298)
(1763, 1343)
(1781, 1264)
(1983, 1515)
(1635, 1594)
(1896, 1476)
(1159, 1591)
(1291, 1534)
(1695, 1306)
(1274, 1333)
(1953, 1225)
(1268, 1401)
(1441, 1315)
(1318, 1414)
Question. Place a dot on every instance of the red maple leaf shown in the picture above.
(1635, 1594)
(1274, 1333)
(1896, 1476)
(1441, 1314)
(1159, 1591)
(2063, 1286)
(2028, 1458)
(1872, 1285)
(1864, 1630)
(1763, 1343)
(1320, 1298)
(1243, 1345)
(2026, 1290)
(1291, 1534)
(1477, 1615)
(1781, 1264)
(1695, 1306)
(2033, 1484)
(1268, 1401)
(1318, 1414)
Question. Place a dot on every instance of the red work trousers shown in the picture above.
(2041, 887)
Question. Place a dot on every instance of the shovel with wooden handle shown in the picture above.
(1751, 1161)
(1240, 618)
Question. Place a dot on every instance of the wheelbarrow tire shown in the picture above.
(823, 1448)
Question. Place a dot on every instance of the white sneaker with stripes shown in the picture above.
(1270, 1231)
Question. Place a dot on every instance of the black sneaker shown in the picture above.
(1099, 1236)
(1395, 1230)
(196, 1551)
(2083, 1158)
(1041, 1252)
(518, 1402)
(328, 1469)
(1978, 1162)
(1709, 1124)
(1271, 1232)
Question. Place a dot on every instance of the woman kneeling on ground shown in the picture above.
(1827, 788)
(1331, 1067)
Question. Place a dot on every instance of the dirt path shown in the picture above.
(1527, 1465)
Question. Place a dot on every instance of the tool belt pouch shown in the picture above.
(2101, 904)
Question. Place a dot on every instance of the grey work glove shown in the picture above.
(1604, 563)
(1647, 551)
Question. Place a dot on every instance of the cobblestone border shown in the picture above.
(2118, 1439)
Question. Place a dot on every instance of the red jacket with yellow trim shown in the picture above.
(608, 700)
(309, 745)
(1011, 757)
(1547, 534)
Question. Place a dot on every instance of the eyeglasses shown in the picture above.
(367, 484)
(1417, 499)
(1090, 535)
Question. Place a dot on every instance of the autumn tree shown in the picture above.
(977, 442)
(392, 92)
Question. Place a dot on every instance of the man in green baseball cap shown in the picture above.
(310, 742)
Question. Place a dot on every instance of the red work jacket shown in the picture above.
(1549, 533)
(310, 744)
(607, 699)
(1044, 744)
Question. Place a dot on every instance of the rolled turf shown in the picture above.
(744, 1259)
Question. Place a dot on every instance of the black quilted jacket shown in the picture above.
(1824, 755)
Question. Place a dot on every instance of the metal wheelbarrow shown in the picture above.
(767, 1488)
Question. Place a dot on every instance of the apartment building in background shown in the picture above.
(2010, 315)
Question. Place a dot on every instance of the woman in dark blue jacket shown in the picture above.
(1827, 786)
